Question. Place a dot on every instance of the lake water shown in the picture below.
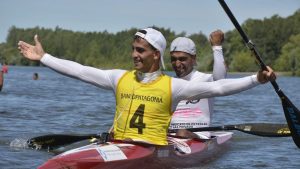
(58, 104)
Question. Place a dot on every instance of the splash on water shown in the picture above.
(19, 143)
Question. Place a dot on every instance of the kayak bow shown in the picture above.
(118, 155)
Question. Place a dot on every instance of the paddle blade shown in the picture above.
(292, 115)
(264, 129)
(51, 141)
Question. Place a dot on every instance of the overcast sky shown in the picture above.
(190, 16)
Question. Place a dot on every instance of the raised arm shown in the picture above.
(189, 90)
(31, 52)
(106, 79)
(216, 39)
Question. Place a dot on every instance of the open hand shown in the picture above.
(31, 52)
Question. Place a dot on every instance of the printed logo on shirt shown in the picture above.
(187, 125)
(142, 97)
(188, 112)
(192, 101)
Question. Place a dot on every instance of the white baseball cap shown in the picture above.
(156, 39)
(183, 44)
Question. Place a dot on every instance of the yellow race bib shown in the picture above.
(143, 111)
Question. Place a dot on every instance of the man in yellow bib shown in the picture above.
(145, 97)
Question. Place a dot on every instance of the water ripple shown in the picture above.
(56, 104)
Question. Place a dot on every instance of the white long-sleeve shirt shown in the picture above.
(181, 89)
(219, 68)
(197, 113)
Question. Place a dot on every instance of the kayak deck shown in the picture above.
(118, 155)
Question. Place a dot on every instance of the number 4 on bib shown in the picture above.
(137, 119)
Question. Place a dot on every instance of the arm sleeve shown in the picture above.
(219, 68)
(189, 90)
(106, 79)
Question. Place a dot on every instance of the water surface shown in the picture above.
(58, 104)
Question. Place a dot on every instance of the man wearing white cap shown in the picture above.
(195, 113)
(145, 97)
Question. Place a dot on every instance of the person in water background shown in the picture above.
(1, 77)
(35, 76)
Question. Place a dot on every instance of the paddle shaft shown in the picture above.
(258, 129)
(291, 112)
(52, 141)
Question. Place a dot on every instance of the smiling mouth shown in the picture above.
(136, 61)
(180, 72)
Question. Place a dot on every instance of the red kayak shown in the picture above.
(120, 155)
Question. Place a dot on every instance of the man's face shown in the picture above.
(182, 63)
(144, 56)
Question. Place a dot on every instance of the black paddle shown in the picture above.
(52, 141)
(258, 129)
(291, 112)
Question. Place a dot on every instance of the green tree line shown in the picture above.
(276, 38)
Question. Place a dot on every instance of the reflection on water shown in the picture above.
(58, 104)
